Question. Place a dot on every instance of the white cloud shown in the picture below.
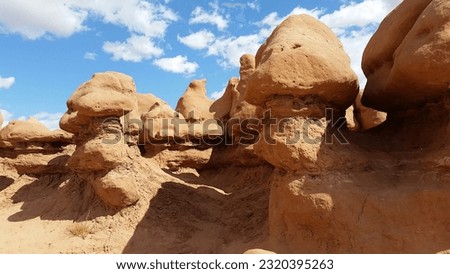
(272, 20)
(6, 117)
(90, 56)
(359, 14)
(50, 120)
(141, 17)
(217, 94)
(135, 49)
(254, 5)
(198, 40)
(201, 16)
(251, 5)
(146, 22)
(232, 5)
(355, 23)
(178, 64)
(34, 19)
(354, 44)
(6, 83)
(230, 49)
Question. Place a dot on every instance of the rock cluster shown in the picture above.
(381, 187)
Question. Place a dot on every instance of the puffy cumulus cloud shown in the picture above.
(354, 23)
(146, 22)
(354, 44)
(141, 17)
(359, 14)
(178, 64)
(198, 40)
(50, 120)
(34, 19)
(201, 16)
(6, 83)
(135, 49)
(230, 49)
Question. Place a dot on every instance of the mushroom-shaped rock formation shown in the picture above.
(162, 124)
(412, 67)
(106, 94)
(194, 105)
(35, 149)
(95, 115)
(301, 71)
(27, 131)
(300, 66)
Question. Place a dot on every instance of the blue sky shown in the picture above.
(49, 47)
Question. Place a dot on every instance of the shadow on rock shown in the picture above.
(5, 182)
(203, 218)
(57, 197)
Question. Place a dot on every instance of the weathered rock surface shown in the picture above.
(241, 109)
(95, 115)
(367, 118)
(223, 106)
(291, 64)
(32, 130)
(194, 105)
(32, 149)
(297, 182)
(412, 67)
(106, 94)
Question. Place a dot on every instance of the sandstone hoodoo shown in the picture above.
(222, 106)
(412, 67)
(104, 147)
(194, 105)
(301, 70)
(130, 174)
(302, 58)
